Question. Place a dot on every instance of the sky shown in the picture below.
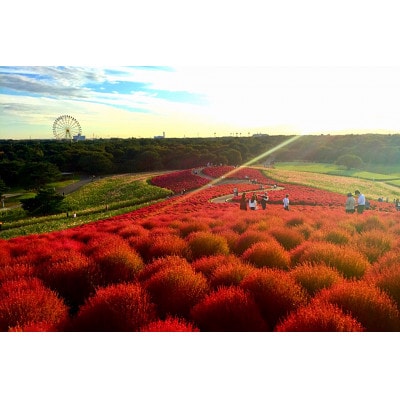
(190, 70)
(145, 101)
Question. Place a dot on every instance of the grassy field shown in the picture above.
(321, 176)
(121, 194)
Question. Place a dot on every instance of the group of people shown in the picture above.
(352, 204)
(253, 202)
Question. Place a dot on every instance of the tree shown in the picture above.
(46, 202)
(3, 187)
(37, 174)
(350, 161)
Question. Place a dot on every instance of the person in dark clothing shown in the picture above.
(243, 202)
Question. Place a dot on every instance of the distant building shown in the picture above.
(160, 137)
(78, 137)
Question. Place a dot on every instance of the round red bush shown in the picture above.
(69, 275)
(230, 274)
(229, 309)
(275, 292)
(350, 262)
(176, 289)
(170, 324)
(267, 254)
(376, 311)
(168, 244)
(288, 238)
(161, 263)
(123, 307)
(314, 277)
(27, 300)
(319, 317)
(207, 244)
(115, 265)
(248, 239)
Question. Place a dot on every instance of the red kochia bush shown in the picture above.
(170, 324)
(387, 279)
(207, 244)
(275, 292)
(229, 309)
(374, 244)
(350, 262)
(115, 264)
(269, 254)
(314, 277)
(69, 275)
(16, 271)
(230, 274)
(5, 256)
(27, 301)
(248, 239)
(376, 311)
(319, 317)
(163, 245)
(121, 307)
(161, 263)
(176, 290)
(287, 237)
(206, 265)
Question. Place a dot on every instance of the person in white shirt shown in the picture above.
(286, 203)
(360, 202)
(253, 202)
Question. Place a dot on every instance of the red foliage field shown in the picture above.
(193, 263)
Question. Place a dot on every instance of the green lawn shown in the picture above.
(122, 194)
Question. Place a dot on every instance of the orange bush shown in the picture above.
(230, 274)
(267, 254)
(374, 244)
(248, 239)
(275, 292)
(376, 311)
(122, 307)
(207, 244)
(161, 263)
(288, 238)
(206, 265)
(387, 279)
(229, 309)
(337, 236)
(350, 262)
(319, 317)
(168, 244)
(314, 277)
(28, 301)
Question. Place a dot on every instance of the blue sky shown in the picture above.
(199, 101)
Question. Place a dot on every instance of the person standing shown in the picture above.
(350, 203)
(286, 203)
(360, 202)
(264, 200)
(243, 202)
(253, 202)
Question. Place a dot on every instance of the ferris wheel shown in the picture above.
(66, 127)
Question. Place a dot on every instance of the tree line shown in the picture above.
(30, 164)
